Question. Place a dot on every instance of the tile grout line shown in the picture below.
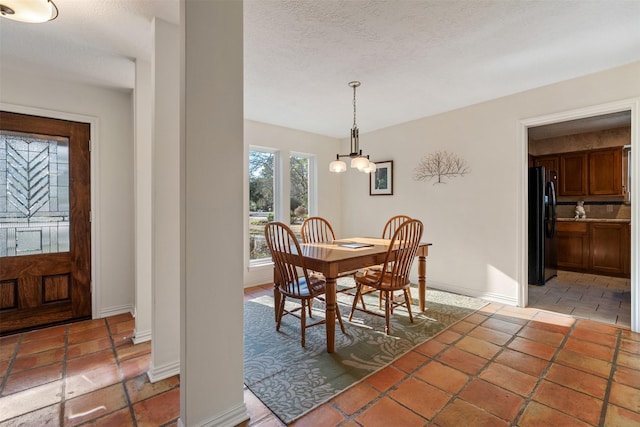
(493, 359)
(121, 374)
(542, 376)
(470, 377)
(63, 399)
(614, 368)
(12, 361)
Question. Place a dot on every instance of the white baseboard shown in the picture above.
(489, 296)
(160, 373)
(113, 311)
(141, 336)
(230, 418)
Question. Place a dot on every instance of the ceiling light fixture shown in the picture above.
(33, 11)
(358, 161)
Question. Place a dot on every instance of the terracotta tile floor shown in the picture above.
(500, 366)
(85, 373)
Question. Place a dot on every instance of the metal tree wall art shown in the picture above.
(440, 164)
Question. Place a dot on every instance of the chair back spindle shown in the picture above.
(392, 225)
(316, 229)
(402, 252)
(285, 249)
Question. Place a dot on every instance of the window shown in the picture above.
(298, 191)
(272, 194)
(262, 191)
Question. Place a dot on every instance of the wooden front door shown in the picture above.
(45, 231)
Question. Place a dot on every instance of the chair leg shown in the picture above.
(310, 305)
(355, 300)
(387, 310)
(392, 299)
(280, 312)
(407, 294)
(363, 291)
(303, 320)
(340, 318)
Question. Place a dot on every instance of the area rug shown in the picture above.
(291, 380)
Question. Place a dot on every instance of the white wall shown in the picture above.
(166, 207)
(211, 298)
(114, 110)
(474, 222)
(142, 200)
(328, 191)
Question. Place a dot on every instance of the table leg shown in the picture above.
(330, 314)
(422, 280)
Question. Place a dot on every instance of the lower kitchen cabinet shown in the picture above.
(573, 245)
(594, 247)
(610, 248)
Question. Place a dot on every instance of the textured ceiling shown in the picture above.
(414, 57)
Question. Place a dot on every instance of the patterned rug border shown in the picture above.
(288, 417)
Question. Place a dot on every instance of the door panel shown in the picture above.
(45, 233)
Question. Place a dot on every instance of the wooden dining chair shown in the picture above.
(387, 233)
(316, 229)
(294, 280)
(394, 275)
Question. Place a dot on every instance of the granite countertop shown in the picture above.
(621, 220)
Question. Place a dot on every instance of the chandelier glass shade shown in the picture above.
(358, 160)
(32, 11)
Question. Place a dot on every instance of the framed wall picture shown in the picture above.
(381, 181)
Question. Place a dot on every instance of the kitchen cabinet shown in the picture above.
(588, 173)
(610, 251)
(573, 245)
(573, 176)
(594, 247)
(605, 172)
(549, 162)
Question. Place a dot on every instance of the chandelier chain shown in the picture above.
(354, 106)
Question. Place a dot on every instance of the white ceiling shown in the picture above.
(415, 58)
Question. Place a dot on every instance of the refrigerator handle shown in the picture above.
(552, 215)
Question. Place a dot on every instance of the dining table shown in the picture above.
(346, 255)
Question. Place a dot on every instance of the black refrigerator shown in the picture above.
(543, 245)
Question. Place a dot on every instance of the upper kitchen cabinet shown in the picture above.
(588, 154)
(549, 162)
(600, 172)
(573, 174)
(606, 172)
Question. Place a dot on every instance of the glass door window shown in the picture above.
(34, 194)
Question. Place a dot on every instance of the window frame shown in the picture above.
(312, 185)
(282, 190)
(277, 196)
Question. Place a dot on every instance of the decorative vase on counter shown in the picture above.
(579, 210)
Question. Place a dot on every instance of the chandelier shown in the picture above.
(358, 161)
(33, 11)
